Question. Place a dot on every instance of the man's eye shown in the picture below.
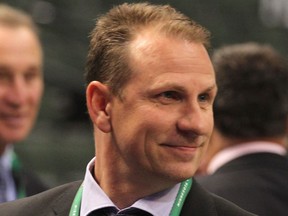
(204, 98)
(32, 74)
(4, 76)
(170, 95)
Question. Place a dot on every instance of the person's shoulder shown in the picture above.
(201, 202)
(39, 203)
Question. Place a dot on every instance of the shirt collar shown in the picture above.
(159, 204)
(6, 167)
(236, 151)
(6, 158)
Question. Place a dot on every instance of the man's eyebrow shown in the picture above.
(182, 89)
(211, 88)
(171, 85)
(4, 67)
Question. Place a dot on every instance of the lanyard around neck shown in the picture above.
(16, 167)
(175, 211)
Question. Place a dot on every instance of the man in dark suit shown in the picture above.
(21, 86)
(246, 159)
(150, 90)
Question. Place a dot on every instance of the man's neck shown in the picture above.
(124, 190)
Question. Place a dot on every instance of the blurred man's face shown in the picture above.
(21, 82)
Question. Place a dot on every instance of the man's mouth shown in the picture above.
(183, 149)
(13, 120)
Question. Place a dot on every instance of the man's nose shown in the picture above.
(193, 120)
(17, 91)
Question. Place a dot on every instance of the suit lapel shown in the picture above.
(199, 202)
(62, 205)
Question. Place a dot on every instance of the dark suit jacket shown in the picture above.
(255, 182)
(58, 202)
(29, 181)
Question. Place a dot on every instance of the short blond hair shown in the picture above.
(107, 57)
(13, 17)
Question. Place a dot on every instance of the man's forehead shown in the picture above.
(151, 45)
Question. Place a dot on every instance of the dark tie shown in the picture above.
(2, 185)
(110, 211)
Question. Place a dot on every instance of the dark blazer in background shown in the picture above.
(58, 202)
(256, 182)
(29, 181)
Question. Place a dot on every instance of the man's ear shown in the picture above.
(97, 98)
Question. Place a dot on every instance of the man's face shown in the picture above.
(21, 82)
(163, 121)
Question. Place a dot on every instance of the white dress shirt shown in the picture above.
(159, 204)
(233, 152)
(6, 163)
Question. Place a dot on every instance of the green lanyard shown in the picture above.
(16, 167)
(175, 211)
(181, 196)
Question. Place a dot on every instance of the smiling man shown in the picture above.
(21, 87)
(150, 91)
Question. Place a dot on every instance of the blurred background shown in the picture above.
(61, 143)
